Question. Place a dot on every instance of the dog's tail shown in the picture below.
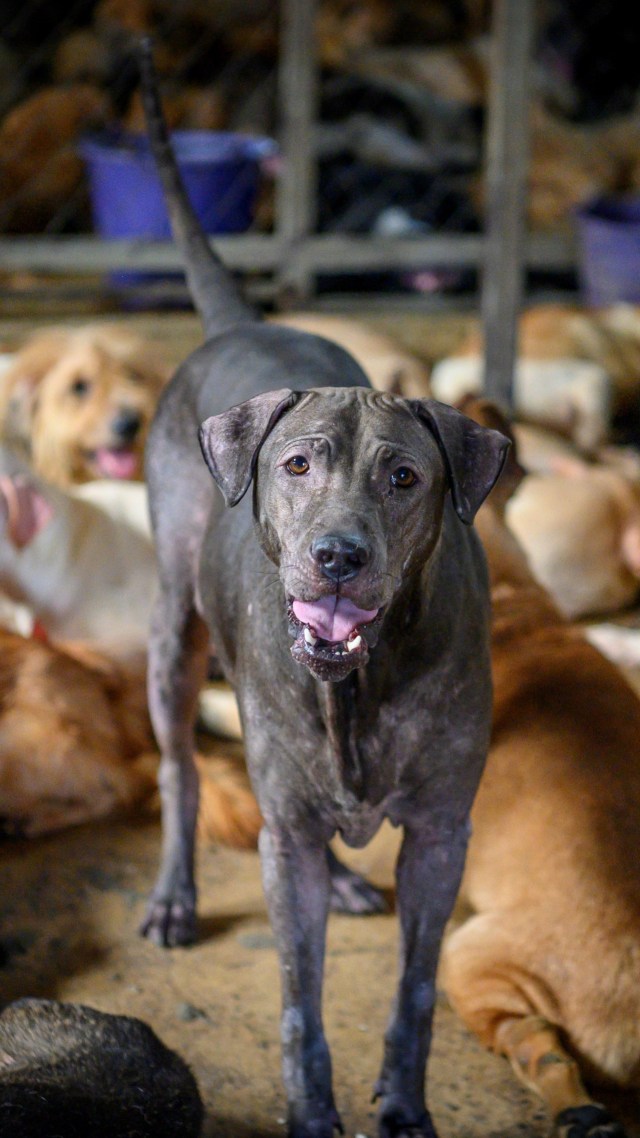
(228, 810)
(213, 289)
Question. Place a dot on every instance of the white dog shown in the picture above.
(82, 562)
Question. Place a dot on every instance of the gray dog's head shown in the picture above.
(349, 495)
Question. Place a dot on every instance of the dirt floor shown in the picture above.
(71, 905)
(71, 908)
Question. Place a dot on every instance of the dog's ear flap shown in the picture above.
(21, 382)
(24, 509)
(231, 442)
(473, 455)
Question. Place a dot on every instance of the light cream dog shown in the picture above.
(579, 525)
(79, 401)
(84, 568)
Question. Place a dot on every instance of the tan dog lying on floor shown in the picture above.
(577, 367)
(607, 336)
(388, 364)
(579, 525)
(76, 744)
(79, 401)
(545, 967)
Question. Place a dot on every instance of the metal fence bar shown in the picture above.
(265, 253)
(507, 151)
(297, 99)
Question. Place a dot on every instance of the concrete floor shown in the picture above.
(71, 905)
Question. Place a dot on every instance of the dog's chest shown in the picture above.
(373, 759)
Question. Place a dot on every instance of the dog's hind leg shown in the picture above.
(428, 875)
(178, 655)
(297, 888)
(514, 1013)
(533, 1047)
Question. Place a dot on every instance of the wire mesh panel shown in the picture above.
(397, 134)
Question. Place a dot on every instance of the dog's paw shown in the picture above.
(351, 893)
(169, 924)
(397, 1121)
(589, 1121)
(357, 897)
(316, 1127)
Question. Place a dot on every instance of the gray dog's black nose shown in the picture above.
(340, 558)
(126, 424)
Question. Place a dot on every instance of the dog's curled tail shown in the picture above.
(228, 811)
(213, 289)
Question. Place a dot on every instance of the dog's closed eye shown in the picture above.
(80, 387)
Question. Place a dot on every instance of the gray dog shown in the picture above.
(347, 599)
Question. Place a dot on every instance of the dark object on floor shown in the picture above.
(67, 1071)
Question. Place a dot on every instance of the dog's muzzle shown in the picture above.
(332, 635)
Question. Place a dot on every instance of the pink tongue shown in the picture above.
(117, 463)
(332, 618)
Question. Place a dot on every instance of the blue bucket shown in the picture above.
(609, 250)
(221, 173)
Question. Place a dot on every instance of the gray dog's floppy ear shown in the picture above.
(473, 455)
(231, 441)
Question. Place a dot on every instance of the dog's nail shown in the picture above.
(309, 637)
(355, 643)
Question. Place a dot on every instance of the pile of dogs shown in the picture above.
(345, 595)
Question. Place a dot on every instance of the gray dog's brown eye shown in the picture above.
(403, 477)
(80, 387)
(297, 465)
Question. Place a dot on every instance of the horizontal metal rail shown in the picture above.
(266, 253)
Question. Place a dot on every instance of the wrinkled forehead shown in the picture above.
(353, 416)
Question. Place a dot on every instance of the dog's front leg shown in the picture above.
(428, 877)
(178, 652)
(297, 887)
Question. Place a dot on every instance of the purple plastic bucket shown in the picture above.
(221, 172)
(609, 250)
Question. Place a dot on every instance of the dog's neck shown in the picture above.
(340, 703)
(339, 708)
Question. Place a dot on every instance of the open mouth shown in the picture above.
(116, 462)
(332, 635)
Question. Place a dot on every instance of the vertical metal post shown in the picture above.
(297, 98)
(506, 168)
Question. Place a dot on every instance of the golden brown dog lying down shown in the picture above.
(76, 744)
(79, 401)
(579, 526)
(545, 967)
